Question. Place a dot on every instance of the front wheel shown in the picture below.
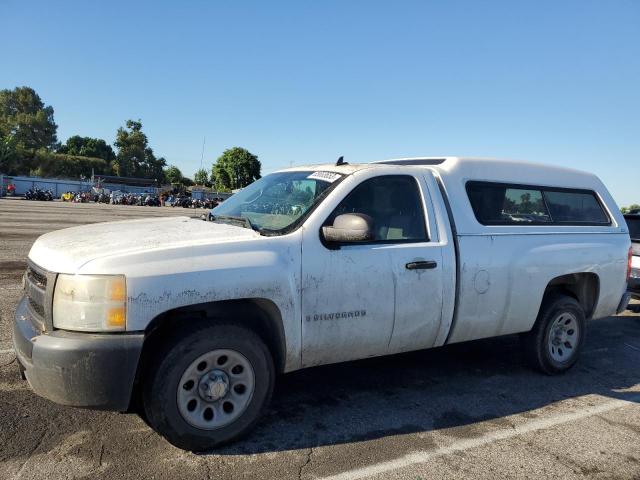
(209, 387)
(554, 344)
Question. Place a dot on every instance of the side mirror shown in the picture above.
(349, 228)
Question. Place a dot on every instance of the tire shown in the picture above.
(546, 346)
(167, 400)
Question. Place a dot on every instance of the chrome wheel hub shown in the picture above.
(215, 389)
(564, 336)
(214, 385)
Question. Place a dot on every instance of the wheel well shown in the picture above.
(584, 287)
(259, 314)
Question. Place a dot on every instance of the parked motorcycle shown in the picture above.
(36, 193)
(101, 198)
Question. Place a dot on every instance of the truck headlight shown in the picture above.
(90, 303)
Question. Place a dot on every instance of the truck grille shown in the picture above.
(35, 289)
(36, 277)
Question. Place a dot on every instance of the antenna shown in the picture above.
(341, 162)
(204, 139)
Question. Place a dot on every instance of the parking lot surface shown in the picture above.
(468, 410)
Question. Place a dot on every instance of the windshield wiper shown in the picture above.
(234, 220)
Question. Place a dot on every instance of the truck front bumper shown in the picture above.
(79, 369)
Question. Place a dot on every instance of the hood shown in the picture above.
(66, 250)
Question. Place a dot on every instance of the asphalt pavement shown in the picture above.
(473, 410)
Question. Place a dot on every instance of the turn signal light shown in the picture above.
(116, 317)
(118, 290)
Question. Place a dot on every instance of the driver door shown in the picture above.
(350, 292)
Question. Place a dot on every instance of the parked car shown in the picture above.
(191, 322)
(633, 221)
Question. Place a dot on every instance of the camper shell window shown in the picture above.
(509, 204)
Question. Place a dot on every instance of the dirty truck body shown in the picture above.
(190, 321)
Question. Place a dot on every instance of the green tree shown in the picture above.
(235, 168)
(173, 174)
(25, 118)
(62, 165)
(221, 179)
(630, 208)
(131, 143)
(8, 156)
(201, 177)
(152, 167)
(187, 182)
(88, 147)
(135, 158)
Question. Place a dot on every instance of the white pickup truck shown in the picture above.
(188, 322)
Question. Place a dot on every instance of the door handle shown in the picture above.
(422, 265)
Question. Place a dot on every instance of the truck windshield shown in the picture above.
(277, 203)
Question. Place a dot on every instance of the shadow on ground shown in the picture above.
(451, 388)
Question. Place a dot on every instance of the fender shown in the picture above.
(265, 270)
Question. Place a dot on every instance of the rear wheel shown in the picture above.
(553, 345)
(209, 387)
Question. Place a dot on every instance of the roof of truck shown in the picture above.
(455, 172)
(488, 168)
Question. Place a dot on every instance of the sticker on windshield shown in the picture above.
(325, 176)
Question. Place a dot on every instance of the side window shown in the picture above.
(394, 204)
(500, 204)
(575, 207)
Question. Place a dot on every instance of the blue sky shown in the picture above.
(299, 82)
